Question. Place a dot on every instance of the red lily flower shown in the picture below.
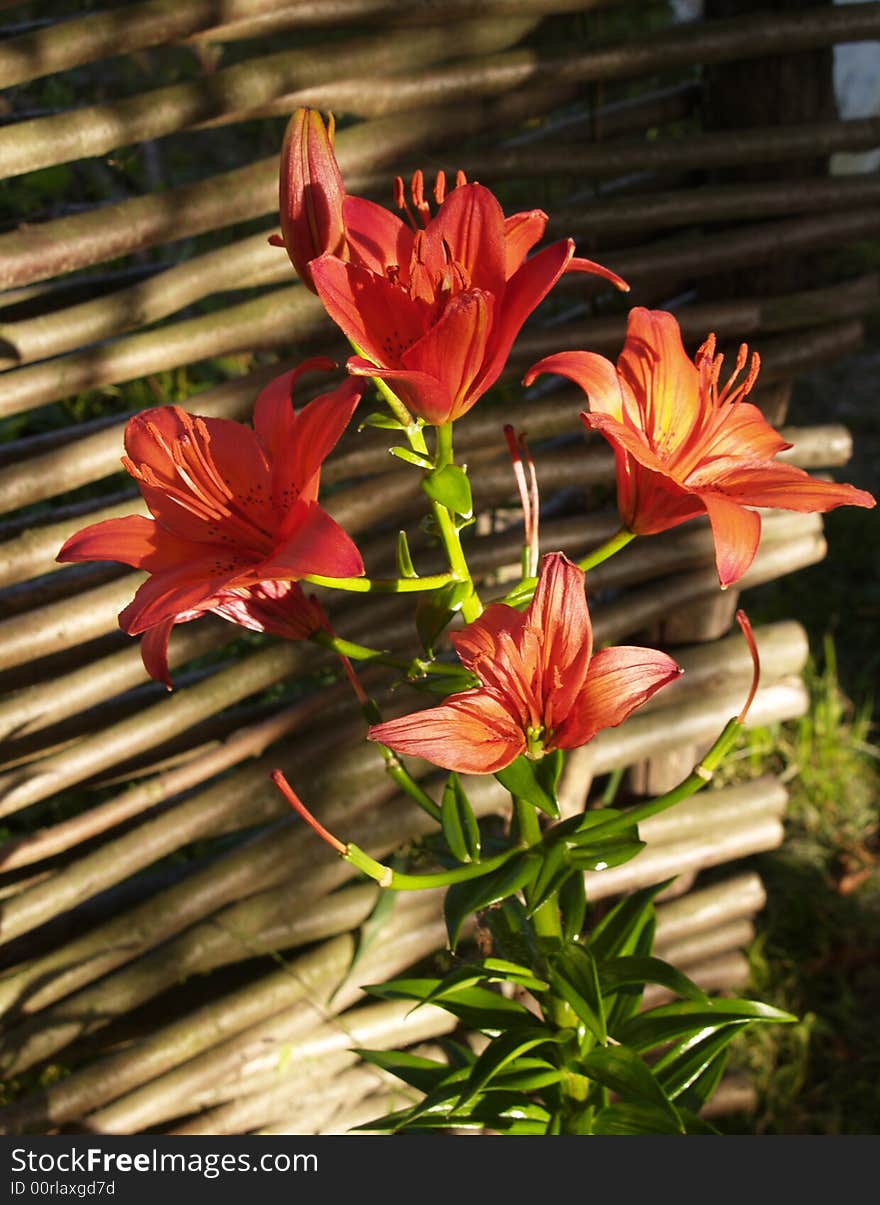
(434, 311)
(683, 447)
(542, 686)
(235, 517)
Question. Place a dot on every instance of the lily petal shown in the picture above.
(453, 349)
(470, 222)
(657, 369)
(737, 534)
(154, 650)
(315, 431)
(273, 409)
(559, 618)
(595, 375)
(786, 487)
(423, 395)
(471, 733)
(376, 314)
(521, 232)
(620, 680)
(377, 239)
(312, 542)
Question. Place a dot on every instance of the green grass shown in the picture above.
(818, 950)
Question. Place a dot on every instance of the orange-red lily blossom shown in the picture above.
(236, 519)
(542, 686)
(433, 310)
(684, 447)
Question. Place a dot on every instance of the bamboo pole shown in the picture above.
(732, 899)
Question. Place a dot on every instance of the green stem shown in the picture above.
(698, 778)
(394, 881)
(394, 585)
(523, 593)
(398, 773)
(607, 550)
(546, 918)
(450, 537)
(413, 668)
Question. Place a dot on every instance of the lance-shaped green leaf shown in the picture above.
(533, 781)
(459, 823)
(555, 871)
(671, 1022)
(478, 1007)
(492, 970)
(605, 854)
(634, 1119)
(411, 457)
(682, 1066)
(619, 1069)
(617, 933)
(384, 422)
(405, 567)
(575, 977)
(573, 907)
(420, 1073)
(502, 1051)
(635, 971)
(462, 899)
(450, 487)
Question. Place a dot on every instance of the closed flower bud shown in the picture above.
(311, 193)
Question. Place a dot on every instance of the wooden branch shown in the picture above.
(98, 129)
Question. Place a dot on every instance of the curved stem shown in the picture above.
(450, 537)
(373, 585)
(413, 668)
(546, 918)
(394, 881)
(607, 550)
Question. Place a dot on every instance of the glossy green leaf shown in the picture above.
(405, 567)
(637, 971)
(554, 872)
(435, 610)
(617, 933)
(423, 1074)
(694, 1124)
(671, 1022)
(492, 970)
(573, 907)
(462, 899)
(634, 1119)
(459, 823)
(504, 1050)
(619, 1069)
(450, 487)
(603, 855)
(410, 457)
(526, 780)
(384, 422)
(575, 978)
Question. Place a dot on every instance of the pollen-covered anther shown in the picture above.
(440, 187)
(417, 189)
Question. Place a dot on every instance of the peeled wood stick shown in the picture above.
(245, 263)
(59, 47)
(698, 152)
(298, 15)
(732, 899)
(96, 130)
(311, 1060)
(37, 707)
(362, 1092)
(104, 233)
(301, 1081)
(247, 742)
(154, 724)
(163, 1098)
(730, 203)
(737, 935)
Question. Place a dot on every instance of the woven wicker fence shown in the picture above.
(178, 954)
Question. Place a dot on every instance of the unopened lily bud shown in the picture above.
(310, 192)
